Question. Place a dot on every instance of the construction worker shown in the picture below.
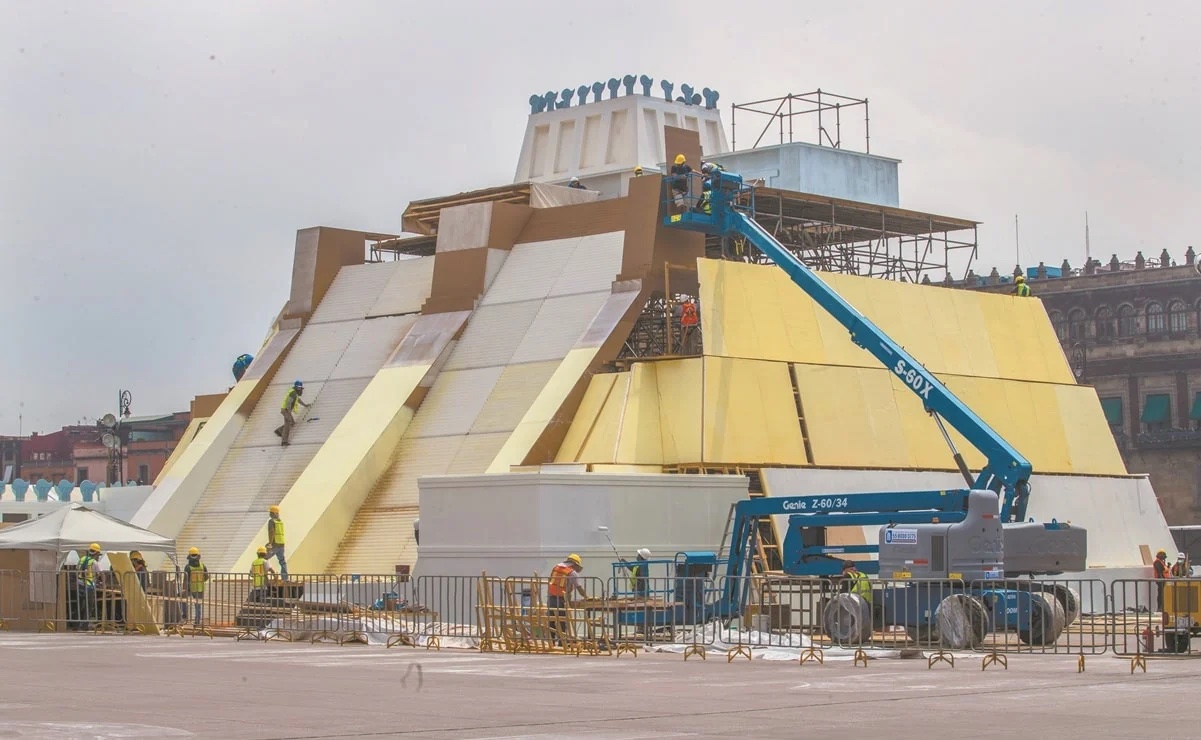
(705, 204)
(196, 575)
(564, 582)
(638, 573)
(287, 408)
(275, 540)
(1163, 571)
(258, 575)
(87, 576)
(1020, 289)
(680, 171)
(856, 582)
(638, 171)
(241, 364)
(139, 567)
(575, 184)
(688, 322)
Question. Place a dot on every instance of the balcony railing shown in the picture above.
(1168, 438)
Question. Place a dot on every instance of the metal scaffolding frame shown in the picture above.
(782, 110)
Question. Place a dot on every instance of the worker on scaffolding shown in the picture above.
(288, 408)
(564, 583)
(689, 318)
(1020, 288)
(680, 172)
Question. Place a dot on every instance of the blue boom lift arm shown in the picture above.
(731, 204)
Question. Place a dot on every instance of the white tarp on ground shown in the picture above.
(75, 527)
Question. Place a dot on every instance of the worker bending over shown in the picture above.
(1020, 289)
(564, 583)
(288, 409)
(196, 576)
(275, 540)
(258, 576)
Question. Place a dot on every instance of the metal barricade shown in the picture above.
(1155, 617)
(521, 615)
(1044, 616)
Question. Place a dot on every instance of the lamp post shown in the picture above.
(1079, 361)
(110, 437)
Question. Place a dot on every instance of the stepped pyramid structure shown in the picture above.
(532, 324)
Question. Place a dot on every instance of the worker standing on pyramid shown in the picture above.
(680, 170)
(288, 407)
(275, 540)
(196, 576)
(1021, 290)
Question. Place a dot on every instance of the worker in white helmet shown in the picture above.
(639, 582)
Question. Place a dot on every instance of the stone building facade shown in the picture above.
(1132, 330)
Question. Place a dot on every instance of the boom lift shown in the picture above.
(963, 533)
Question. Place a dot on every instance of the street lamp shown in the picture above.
(1079, 361)
(110, 437)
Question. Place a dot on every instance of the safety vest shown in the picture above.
(258, 572)
(558, 579)
(290, 398)
(1023, 290)
(1161, 569)
(706, 202)
(276, 532)
(634, 577)
(860, 585)
(86, 572)
(196, 574)
(688, 314)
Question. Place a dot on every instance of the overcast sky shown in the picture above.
(158, 158)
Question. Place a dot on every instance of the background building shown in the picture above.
(1133, 331)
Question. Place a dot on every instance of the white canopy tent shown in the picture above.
(74, 527)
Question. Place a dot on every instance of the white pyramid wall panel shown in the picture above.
(243, 471)
(558, 325)
(477, 452)
(380, 543)
(593, 266)
(407, 289)
(453, 402)
(316, 352)
(371, 346)
(492, 335)
(414, 458)
(512, 396)
(530, 270)
(354, 291)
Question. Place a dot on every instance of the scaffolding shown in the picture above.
(826, 109)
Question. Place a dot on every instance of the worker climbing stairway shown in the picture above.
(336, 355)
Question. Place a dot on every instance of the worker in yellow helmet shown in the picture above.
(195, 577)
(275, 540)
(680, 172)
(88, 571)
(564, 583)
(258, 576)
(1020, 288)
(139, 567)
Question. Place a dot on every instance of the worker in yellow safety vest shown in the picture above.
(288, 409)
(275, 540)
(89, 570)
(258, 575)
(196, 576)
(1020, 289)
(856, 582)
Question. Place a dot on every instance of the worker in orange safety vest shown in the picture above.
(564, 582)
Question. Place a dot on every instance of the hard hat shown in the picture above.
(93, 547)
(681, 159)
(193, 551)
(705, 167)
(135, 555)
(575, 559)
(273, 510)
(848, 564)
(1180, 556)
(644, 553)
(1020, 279)
(1161, 552)
(298, 384)
(262, 550)
(575, 179)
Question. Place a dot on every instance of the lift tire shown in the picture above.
(1047, 621)
(847, 620)
(1069, 599)
(962, 622)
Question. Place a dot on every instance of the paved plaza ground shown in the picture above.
(85, 686)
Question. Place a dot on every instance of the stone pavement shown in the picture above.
(98, 686)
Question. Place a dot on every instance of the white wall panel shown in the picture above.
(414, 458)
(354, 291)
(529, 271)
(512, 396)
(492, 335)
(317, 351)
(477, 452)
(407, 288)
(453, 403)
(593, 266)
(371, 346)
(558, 325)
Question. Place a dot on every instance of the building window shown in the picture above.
(1105, 325)
(81, 474)
(1113, 412)
(1177, 317)
(1194, 413)
(143, 474)
(1125, 321)
(1076, 324)
(1156, 323)
(1157, 412)
(1060, 326)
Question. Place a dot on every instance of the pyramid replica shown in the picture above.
(529, 327)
